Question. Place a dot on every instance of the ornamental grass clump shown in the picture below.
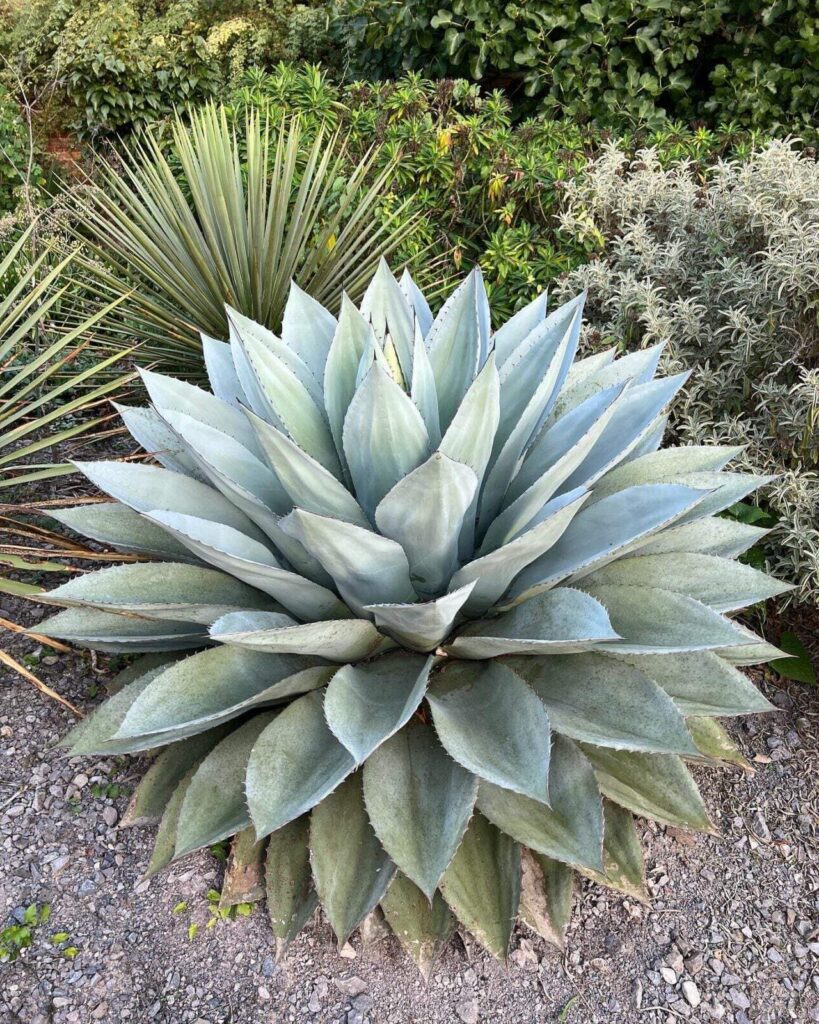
(459, 618)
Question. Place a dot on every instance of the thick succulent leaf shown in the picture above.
(253, 563)
(518, 328)
(656, 621)
(571, 829)
(633, 420)
(418, 304)
(527, 390)
(244, 874)
(106, 631)
(295, 764)
(482, 885)
(419, 801)
(493, 573)
(651, 785)
(350, 867)
(623, 867)
(291, 898)
(366, 704)
(165, 841)
(458, 343)
(423, 389)
(384, 437)
(151, 432)
(307, 329)
(724, 538)
(139, 666)
(335, 639)
(309, 485)
(585, 367)
(158, 784)
(215, 806)
(149, 488)
(700, 682)
(215, 684)
(550, 460)
(559, 621)
(160, 590)
(754, 651)
(255, 398)
(722, 584)
(366, 567)
(424, 513)
(423, 929)
(492, 723)
(291, 390)
(726, 489)
(224, 382)
(546, 896)
(605, 531)
(118, 525)
(666, 466)
(421, 626)
(171, 395)
(352, 338)
(605, 701)
(714, 743)
(386, 306)
(634, 368)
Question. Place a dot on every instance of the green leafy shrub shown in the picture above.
(459, 618)
(623, 61)
(723, 264)
(15, 154)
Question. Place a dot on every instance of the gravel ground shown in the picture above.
(732, 933)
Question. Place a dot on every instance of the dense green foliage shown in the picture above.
(14, 154)
(611, 62)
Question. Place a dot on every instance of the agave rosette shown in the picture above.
(460, 617)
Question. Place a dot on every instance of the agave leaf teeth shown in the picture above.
(295, 764)
(634, 368)
(507, 338)
(306, 482)
(421, 626)
(423, 389)
(722, 584)
(418, 304)
(419, 801)
(423, 929)
(651, 785)
(253, 563)
(366, 704)
(491, 722)
(571, 829)
(604, 531)
(715, 745)
(365, 566)
(611, 703)
(351, 869)
(119, 633)
(214, 806)
(424, 512)
(458, 343)
(336, 640)
(666, 466)
(224, 382)
(384, 437)
(386, 306)
(482, 885)
(493, 573)
(291, 898)
(559, 621)
(723, 538)
(546, 896)
(308, 329)
(165, 590)
(212, 687)
(124, 529)
(151, 432)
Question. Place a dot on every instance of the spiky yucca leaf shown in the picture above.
(454, 605)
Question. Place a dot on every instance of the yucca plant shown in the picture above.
(221, 213)
(461, 618)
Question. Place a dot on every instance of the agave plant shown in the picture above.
(460, 618)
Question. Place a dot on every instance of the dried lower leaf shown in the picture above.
(244, 878)
(546, 896)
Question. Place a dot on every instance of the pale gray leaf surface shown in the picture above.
(518, 328)
(571, 829)
(386, 306)
(350, 867)
(93, 734)
(666, 466)
(422, 929)
(365, 704)
(224, 382)
(295, 764)
(424, 625)
(307, 329)
(623, 867)
(419, 801)
(334, 639)
(151, 432)
(724, 538)
(492, 723)
(423, 390)
(118, 525)
(352, 338)
(418, 304)
(633, 368)
(165, 841)
(291, 898)
(106, 631)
